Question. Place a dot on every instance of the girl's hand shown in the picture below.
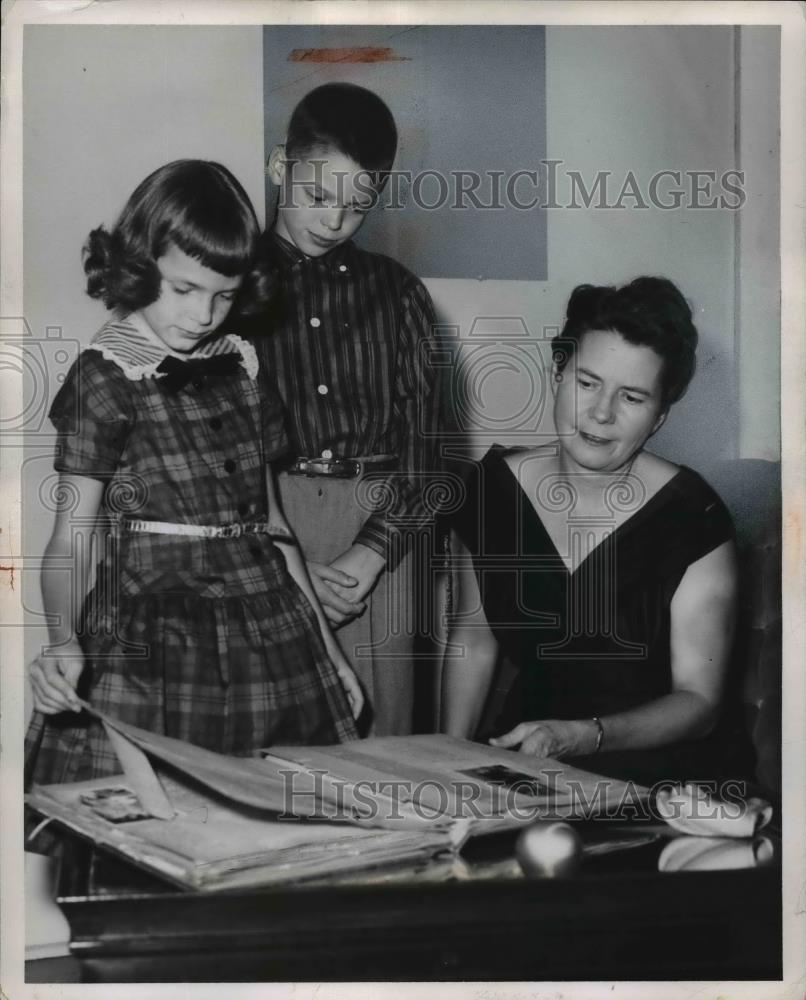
(54, 676)
(355, 696)
(552, 738)
(352, 687)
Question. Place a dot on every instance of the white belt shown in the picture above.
(196, 530)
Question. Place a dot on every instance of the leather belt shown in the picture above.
(342, 468)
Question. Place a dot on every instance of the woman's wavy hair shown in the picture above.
(199, 207)
(648, 311)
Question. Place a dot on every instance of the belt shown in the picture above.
(342, 468)
(196, 530)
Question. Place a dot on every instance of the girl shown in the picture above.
(202, 623)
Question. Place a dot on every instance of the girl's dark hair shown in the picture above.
(649, 311)
(199, 207)
(348, 118)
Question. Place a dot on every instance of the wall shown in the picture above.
(681, 117)
(103, 108)
(426, 73)
(758, 237)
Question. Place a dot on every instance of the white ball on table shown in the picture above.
(548, 850)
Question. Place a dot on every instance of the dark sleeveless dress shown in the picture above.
(595, 641)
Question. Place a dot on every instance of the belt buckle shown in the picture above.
(233, 530)
(339, 468)
(343, 468)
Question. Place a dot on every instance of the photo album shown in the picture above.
(206, 821)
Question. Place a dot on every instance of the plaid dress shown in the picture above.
(206, 640)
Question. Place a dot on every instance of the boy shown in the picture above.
(345, 348)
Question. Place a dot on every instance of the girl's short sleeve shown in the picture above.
(93, 413)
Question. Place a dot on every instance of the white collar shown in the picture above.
(138, 352)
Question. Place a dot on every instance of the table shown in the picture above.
(616, 918)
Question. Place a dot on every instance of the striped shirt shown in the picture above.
(349, 347)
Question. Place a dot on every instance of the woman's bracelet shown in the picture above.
(600, 733)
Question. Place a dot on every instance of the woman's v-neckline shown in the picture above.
(528, 508)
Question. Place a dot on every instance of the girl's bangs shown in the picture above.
(226, 243)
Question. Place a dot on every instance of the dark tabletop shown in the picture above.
(616, 917)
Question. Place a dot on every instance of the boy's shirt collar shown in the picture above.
(287, 255)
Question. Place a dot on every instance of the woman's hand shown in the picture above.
(552, 738)
(54, 677)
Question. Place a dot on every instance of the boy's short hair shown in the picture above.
(199, 207)
(650, 312)
(348, 118)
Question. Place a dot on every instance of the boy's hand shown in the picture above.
(342, 586)
(335, 591)
(54, 677)
(362, 564)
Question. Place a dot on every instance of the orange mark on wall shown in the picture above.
(10, 571)
(352, 54)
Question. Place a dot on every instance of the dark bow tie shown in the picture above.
(197, 370)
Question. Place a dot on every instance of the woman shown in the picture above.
(606, 573)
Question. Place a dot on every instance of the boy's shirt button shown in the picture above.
(322, 390)
(215, 423)
(343, 268)
(315, 322)
(327, 453)
(243, 509)
(229, 466)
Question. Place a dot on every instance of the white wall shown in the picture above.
(103, 107)
(638, 99)
(758, 236)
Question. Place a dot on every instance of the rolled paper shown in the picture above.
(693, 810)
(714, 853)
(548, 850)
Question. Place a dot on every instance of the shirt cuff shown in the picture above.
(377, 534)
